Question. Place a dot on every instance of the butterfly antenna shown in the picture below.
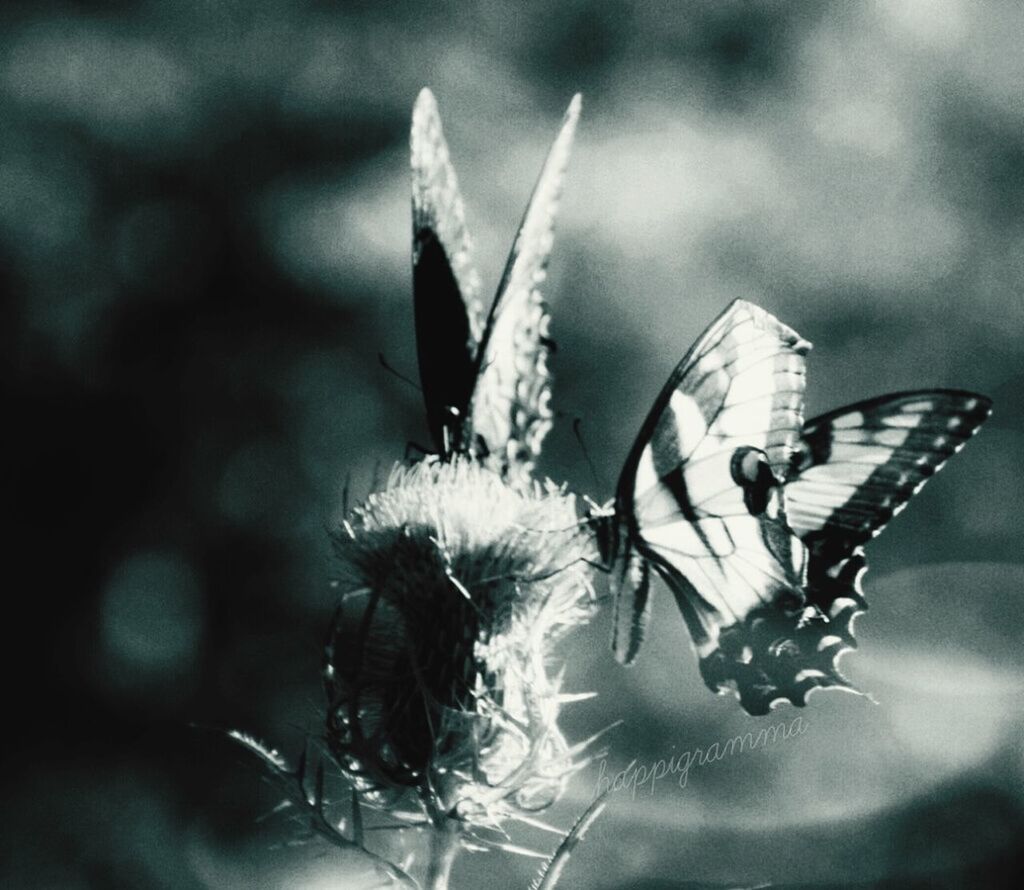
(346, 492)
(576, 424)
(387, 367)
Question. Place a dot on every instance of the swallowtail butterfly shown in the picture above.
(756, 520)
(484, 377)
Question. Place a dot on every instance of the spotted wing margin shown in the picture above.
(510, 408)
(448, 311)
(700, 489)
(856, 468)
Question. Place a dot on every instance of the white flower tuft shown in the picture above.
(439, 669)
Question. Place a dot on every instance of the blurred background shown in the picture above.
(204, 245)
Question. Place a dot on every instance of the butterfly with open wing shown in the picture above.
(485, 379)
(755, 520)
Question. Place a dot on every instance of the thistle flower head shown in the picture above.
(456, 586)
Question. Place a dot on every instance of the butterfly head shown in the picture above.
(602, 521)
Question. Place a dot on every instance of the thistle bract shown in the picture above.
(456, 586)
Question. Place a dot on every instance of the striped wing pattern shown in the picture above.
(703, 488)
(448, 311)
(856, 468)
(510, 408)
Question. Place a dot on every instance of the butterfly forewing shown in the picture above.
(858, 466)
(449, 315)
(700, 488)
(510, 410)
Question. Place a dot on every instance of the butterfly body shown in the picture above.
(755, 520)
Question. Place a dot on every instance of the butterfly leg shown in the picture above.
(412, 448)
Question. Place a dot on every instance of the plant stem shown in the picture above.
(444, 845)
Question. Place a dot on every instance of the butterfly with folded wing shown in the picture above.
(756, 520)
(460, 574)
(485, 378)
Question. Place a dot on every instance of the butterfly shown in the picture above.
(756, 520)
(484, 377)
